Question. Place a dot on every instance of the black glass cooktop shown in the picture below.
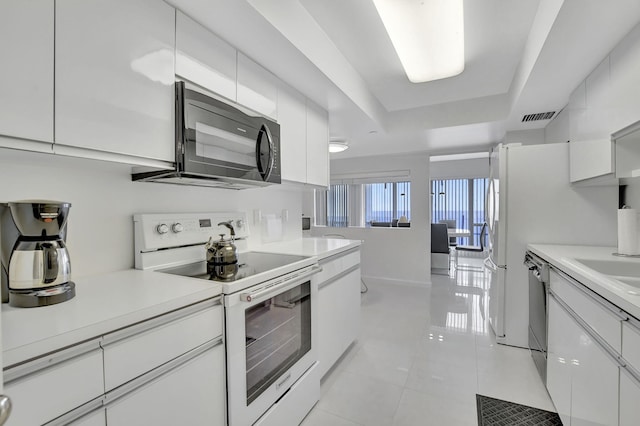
(249, 263)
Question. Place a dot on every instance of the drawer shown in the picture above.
(135, 350)
(631, 344)
(52, 391)
(334, 265)
(596, 315)
(295, 404)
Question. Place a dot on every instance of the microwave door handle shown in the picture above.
(265, 173)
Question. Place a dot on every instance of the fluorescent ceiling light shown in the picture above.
(337, 145)
(428, 36)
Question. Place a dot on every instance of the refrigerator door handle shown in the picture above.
(488, 263)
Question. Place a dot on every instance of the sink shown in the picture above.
(623, 274)
(616, 268)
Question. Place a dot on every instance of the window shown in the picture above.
(463, 201)
(360, 204)
(385, 202)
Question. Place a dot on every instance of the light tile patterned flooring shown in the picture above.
(421, 357)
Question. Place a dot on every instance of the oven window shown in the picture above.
(278, 334)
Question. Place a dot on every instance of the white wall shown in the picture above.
(558, 129)
(463, 169)
(104, 199)
(392, 254)
(525, 137)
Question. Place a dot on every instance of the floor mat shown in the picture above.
(496, 412)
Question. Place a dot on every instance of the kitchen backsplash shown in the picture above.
(104, 199)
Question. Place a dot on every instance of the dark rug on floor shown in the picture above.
(496, 412)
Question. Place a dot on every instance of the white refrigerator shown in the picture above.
(530, 200)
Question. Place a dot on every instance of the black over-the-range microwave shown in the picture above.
(217, 144)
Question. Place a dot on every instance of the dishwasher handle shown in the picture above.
(537, 267)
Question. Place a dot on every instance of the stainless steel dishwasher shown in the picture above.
(538, 297)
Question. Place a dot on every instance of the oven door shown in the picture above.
(270, 342)
(218, 140)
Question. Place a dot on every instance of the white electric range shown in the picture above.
(269, 303)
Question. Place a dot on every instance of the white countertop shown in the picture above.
(563, 257)
(102, 304)
(111, 301)
(319, 247)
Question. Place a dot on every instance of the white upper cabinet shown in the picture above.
(114, 75)
(257, 88)
(591, 149)
(292, 117)
(317, 145)
(26, 74)
(204, 59)
(591, 159)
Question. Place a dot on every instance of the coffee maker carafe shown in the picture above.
(36, 270)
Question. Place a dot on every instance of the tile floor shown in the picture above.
(421, 357)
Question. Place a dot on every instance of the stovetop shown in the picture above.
(258, 265)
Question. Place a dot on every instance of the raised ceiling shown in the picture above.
(521, 57)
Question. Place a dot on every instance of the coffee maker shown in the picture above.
(36, 270)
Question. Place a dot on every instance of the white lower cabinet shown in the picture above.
(167, 370)
(50, 386)
(338, 308)
(561, 337)
(96, 418)
(629, 399)
(583, 371)
(191, 394)
(582, 378)
(594, 384)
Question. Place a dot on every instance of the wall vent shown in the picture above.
(538, 116)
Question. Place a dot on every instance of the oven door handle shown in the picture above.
(277, 286)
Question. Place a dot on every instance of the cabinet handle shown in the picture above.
(338, 276)
(5, 408)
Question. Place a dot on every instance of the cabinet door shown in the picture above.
(317, 145)
(292, 117)
(191, 394)
(561, 334)
(629, 397)
(594, 388)
(257, 87)
(338, 318)
(97, 418)
(203, 58)
(114, 75)
(26, 76)
(56, 389)
(590, 158)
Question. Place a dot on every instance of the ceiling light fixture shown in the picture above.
(428, 36)
(337, 145)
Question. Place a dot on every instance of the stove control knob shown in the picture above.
(177, 227)
(162, 228)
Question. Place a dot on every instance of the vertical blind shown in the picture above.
(360, 204)
(385, 202)
(338, 205)
(461, 200)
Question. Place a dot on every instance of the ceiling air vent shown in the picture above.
(538, 116)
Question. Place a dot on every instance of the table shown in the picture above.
(458, 232)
